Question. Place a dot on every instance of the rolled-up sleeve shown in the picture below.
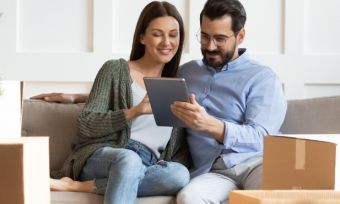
(264, 114)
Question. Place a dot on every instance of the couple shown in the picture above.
(235, 102)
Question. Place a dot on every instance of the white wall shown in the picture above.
(60, 45)
(10, 109)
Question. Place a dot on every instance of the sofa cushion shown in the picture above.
(89, 198)
(313, 116)
(56, 120)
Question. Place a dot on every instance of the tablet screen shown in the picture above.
(162, 92)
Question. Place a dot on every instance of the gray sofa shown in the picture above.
(59, 121)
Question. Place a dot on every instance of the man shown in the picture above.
(236, 102)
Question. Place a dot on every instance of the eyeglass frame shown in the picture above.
(213, 38)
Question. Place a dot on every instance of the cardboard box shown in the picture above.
(24, 172)
(301, 162)
(284, 197)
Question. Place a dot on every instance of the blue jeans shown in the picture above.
(122, 174)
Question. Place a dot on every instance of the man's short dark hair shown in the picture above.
(214, 9)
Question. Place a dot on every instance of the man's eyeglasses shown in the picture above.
(219, 40)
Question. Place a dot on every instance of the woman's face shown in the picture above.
(161, 39)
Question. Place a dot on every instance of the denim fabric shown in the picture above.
(147, 156)
(122, 174)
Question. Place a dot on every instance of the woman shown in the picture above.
(117, 151)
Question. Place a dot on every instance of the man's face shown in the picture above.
(218, 42)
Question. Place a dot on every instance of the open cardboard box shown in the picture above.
(24, 172)
(301, 162)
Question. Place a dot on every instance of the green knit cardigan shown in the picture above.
(102, 121)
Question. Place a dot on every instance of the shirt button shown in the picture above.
(206, 90)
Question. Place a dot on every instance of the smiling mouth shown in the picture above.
(165, 51)
(212, 55)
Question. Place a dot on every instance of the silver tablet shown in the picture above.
(162, 92)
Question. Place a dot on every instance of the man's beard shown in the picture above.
(226, 57)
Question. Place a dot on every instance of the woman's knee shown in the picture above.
(181, 174)
(177, 174)
(164, 178)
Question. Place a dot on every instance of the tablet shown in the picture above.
(162, 92)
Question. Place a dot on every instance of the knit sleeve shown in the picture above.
(103, 113)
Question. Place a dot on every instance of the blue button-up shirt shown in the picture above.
(244, 94)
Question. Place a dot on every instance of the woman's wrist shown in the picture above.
(131, 113)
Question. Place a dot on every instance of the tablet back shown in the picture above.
(162, 92)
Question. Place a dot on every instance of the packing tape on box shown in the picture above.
(300, 154)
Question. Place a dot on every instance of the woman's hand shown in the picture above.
(62, 97)
(143, 107)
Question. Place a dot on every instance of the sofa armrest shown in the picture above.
(56, 120)
(313, 116)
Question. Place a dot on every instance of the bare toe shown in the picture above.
(60, 185)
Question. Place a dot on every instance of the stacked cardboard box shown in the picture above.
(24, 172)
(304, 162)
(284, 197)
(301, 162)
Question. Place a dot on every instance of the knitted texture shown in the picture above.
(102, 121)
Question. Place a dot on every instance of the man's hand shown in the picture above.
(61, 97)
(195, 117)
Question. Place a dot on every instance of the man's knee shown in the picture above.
(186, 197)
(254, 179)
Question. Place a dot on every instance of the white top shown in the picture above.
(144, 128)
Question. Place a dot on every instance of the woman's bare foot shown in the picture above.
(63, 184)
(68, 184)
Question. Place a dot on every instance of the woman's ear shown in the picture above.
(141, 39)
(240, 36)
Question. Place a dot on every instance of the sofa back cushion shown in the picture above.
(59, 122)
(313, 116)
(56, 120)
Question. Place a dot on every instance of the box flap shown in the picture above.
(332, 138)
(284, 197)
